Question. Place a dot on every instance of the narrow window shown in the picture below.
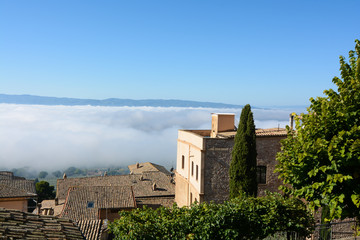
(192, 168)
(90, 204)
(196, 200)
(197, 172)
(182, 161)
(190, 198)
(261, 174)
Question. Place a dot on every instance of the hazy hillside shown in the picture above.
(38, 100)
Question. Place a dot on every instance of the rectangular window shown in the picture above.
(190, 198)
(192, 168)
(197, 172)
(261, 174)
(182, 161)
(90, 204)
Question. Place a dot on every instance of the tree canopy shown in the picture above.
(56, 174)
(44, 191)
(320, 158)
(243, 163)
(240, 218)
(43, 174)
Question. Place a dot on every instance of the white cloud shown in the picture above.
(53, 137)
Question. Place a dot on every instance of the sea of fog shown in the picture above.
(56, 137)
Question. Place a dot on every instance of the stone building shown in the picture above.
(97, 202)
(151, 184)
(15, 224)
(15, 192)
(203, 161)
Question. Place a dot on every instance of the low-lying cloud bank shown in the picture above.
(56, 137)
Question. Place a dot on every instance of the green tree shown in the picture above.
(239, 218)
(56, 174)
(320, 158)
(42, 174)
(243, 163)
(44, 191)
(72, 171)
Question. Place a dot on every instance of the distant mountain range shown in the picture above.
(113, 102)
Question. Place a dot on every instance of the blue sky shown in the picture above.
(259, 52)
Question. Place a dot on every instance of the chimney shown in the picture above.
(291, 123)
(105, 173)
(64, 176)
(56, 201)
(222, 122)
(141, 178)
(137, 165)
(154, 187)
(38, 206)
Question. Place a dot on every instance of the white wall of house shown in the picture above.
(189, 167)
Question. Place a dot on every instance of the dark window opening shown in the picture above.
(192, 168)
(197, 172)
(90, 204)
(182, 161)
(261, 174)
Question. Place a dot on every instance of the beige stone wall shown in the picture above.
(185, 192)
(222, 122)
(216, 169)
(189, 185)
(181, 190)
(267, 148)
(20, 204)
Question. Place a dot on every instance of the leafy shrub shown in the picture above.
(240, 218)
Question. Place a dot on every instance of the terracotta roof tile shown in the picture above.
(142, 184)
(271, 132)
(155, 202)
(268, 132)
(139, 168)
(7, 191)
(12, 186)
(84, 202)
(15, 224)
(92, 229)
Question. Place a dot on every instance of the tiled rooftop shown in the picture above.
(92, 229)
(84, 202)
(139, 168)
(155, 202)
(12, 186)
(7, 191)
(268, 132)
(271, 132)
(19, 225)
(8, 175)
(142, 184)
(48, 207)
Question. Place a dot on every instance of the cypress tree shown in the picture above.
(243, 164)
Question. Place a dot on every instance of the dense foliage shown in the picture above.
(44, 191)
(43, 174)
(57, 174)
(243, 163)
(321, 158)
(240, 218)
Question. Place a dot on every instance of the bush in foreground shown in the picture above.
(240, 218)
